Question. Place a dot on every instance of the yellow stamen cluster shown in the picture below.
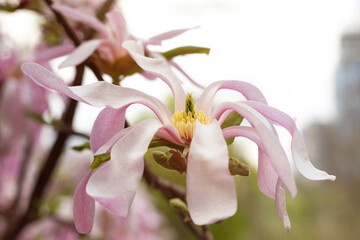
(184, 122)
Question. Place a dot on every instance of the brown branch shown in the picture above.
(17, 223)
(170, 190)
(74, 38)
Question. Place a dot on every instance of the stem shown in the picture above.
(16, 224)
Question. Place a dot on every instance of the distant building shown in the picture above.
(336, 146)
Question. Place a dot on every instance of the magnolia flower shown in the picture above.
(114, 59)
(195, 126)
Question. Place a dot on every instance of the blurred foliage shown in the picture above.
(321, 210)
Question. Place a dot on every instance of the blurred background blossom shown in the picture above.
(304, 56)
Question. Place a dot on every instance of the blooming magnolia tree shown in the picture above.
(192, 140)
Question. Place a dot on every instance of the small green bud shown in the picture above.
(99, 159)
(178, 205)
(238, 168)
(189, 104)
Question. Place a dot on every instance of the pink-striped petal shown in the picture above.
(299, 152)
(115, 183)
(44, 55)
(280, 203)
(109, 122)
(84, 207)
(81, 17)
(156, 40)
(267, 176)
(98, 94)
(269, 140)
(248, 90)
(170, 133)
(211, 192)
(81, 53)
(48, 80)
(118, 25)
(160, 68)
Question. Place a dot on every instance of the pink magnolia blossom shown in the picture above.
(109, 42)
(210, 187)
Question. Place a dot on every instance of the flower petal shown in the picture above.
(110, 95)
(115, 183)
(300, 155)
(84, 207)
(49, 80)
(109, 122)
(160, 68)
(249, 91)
(44, 55)
(170, 133)
(156, 40)
(267, 176)
(280, 203)
(81, 53)
(211, 192)
(269, 140)
(118, 24)
(81, 17)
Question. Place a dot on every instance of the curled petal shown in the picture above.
(249, 91)
(109, 122)
(81, 53)
(267, 176)
(300, 155)
(160, 68)
(156, 40)
(81, 17)
(45, 55)
(84, 207)
(98, 94)
(280, 203)
(170, 133)
(269, 140)
(115, 183)
(210, 187)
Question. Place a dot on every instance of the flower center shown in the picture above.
(184, 121)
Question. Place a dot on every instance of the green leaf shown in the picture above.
(99, 159)
(80, 148)
(234, 119)
(184, 51)
(36, 116)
